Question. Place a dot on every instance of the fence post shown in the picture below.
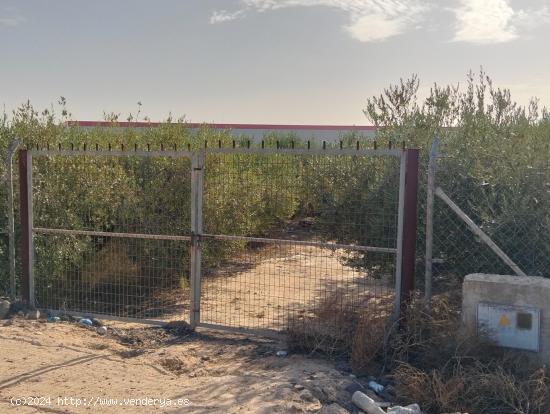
(27, 250)
(409, 225)
(432, 164)
(197, 174)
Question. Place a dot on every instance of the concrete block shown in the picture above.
(509, 292)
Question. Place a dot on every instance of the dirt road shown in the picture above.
(201, 372)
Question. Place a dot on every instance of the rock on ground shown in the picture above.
(333, 409)
(4, 308)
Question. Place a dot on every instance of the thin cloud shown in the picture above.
(221, 16)
(494, 21)
(370, 20)
(11, 21)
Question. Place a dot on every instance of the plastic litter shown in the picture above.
(85, 322)
(282, 353)
(54, 319)
(365, 403)
(376, 387)
(409, 409)
(102, 330)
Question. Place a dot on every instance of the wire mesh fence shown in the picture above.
(276, 286)
(273, 238)
(300, 229)
(111, 234)
(509, 201)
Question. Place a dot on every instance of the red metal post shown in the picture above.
(25, 230)
(409, 225)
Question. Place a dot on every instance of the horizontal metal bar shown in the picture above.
(347, 151)
(111, 234)
(105, 153)
(106, 317)
(264, 332)
(302, 243)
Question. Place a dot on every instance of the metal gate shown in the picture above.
(239, 238)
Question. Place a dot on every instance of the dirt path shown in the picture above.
(270, 286)
(197, 372)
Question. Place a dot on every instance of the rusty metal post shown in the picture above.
(25, 186)
(409, 225)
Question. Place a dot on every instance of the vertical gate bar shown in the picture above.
(192, 305)
(197, 164)
(27, 251)
(399, 243)
(11, 219)
(430, 224)
(409, 226)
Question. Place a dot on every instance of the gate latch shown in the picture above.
(196, 238)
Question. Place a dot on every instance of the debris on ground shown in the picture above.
(409, 409)
(333, 409)
(101, 330)
(97, 322)
(53, 319)
(376, 387)
(33, 314)
(5, 306)
(366, 403)
(282, 353)
(85, 322)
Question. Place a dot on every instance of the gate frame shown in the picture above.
(28, 229)
(404, 249)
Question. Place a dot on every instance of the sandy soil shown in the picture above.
(216, 373)
(271, 286)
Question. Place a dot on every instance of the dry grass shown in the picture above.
(431, 359)
(342, 327)
(436, 363)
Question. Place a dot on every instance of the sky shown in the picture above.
(261, 61)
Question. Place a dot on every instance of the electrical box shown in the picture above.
(510, 326)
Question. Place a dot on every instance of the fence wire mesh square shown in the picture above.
(128, 278)
(508, 201)
(349, 199)
(285, 201)
(281, 286)
(126, 266)
(286, 236)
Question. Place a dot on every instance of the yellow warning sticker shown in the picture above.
(504, 320)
